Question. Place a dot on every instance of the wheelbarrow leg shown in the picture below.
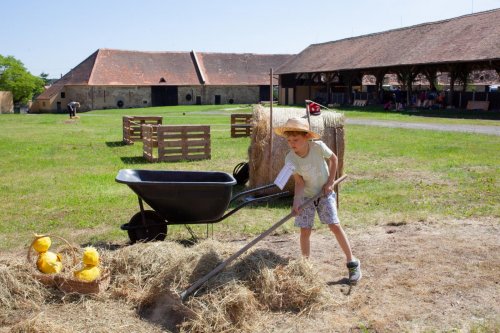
(141, 206)
(193, 236)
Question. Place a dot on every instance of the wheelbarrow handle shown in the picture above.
(244, 193)
(251, 201)
(223, 264)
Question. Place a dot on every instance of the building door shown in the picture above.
(164, 95)
(59, 108)
(198, 100)
(264, 93)
(217, 99)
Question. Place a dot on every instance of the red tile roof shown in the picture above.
(239, 69)
(117, 67)
(466, 38)
(108, 67)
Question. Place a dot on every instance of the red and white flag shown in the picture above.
(314, 108)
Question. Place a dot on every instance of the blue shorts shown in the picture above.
(327, 212)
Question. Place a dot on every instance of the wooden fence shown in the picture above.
(132, 127)
(241, 125)
(176, 143)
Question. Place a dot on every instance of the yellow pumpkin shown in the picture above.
(49, 263)
(88, 273)
(90, 256)
(42, 244)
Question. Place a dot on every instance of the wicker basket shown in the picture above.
(64, 280)
(72, 285)
(45, 279)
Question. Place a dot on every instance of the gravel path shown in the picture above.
(479, 129)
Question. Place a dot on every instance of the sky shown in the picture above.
(54, 36)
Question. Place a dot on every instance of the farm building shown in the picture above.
(128, 79)
(447, 55)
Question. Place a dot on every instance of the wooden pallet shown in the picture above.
(478, 105)
(360, 102)
(132, 127)
(241, 125)
(176, 143)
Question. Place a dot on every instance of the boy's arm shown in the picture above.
(298, 193)
(332, 171)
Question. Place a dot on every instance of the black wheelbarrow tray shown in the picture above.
(182, 197)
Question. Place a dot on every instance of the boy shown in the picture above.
(315, 168)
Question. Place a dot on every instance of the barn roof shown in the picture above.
(237, 68)
(109, 67)
(118, 67)
(468, 38)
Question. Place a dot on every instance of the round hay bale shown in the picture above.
(266, 164)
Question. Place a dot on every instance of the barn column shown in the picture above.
(407, 75)
(379, 78)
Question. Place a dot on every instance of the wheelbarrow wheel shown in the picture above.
(154, 228)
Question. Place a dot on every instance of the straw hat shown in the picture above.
(296, 125)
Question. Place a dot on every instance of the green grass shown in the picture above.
(58, 176)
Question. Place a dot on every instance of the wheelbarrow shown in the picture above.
(183, 197)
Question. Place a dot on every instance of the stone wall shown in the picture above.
(6, 102)
(112, 97)
(98, 97)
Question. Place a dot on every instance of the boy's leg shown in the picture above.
(305, 243)
(327, 211)
(342, 240)
(305, 221)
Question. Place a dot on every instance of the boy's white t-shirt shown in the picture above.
(313, 167)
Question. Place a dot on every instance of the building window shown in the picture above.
(43, 103)
(63, 94)
(189, 97)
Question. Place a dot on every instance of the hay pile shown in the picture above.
(263, 171)
(146, 282)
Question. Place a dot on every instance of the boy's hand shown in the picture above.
(296, 206)
(328, 187)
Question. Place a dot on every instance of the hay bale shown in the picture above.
(263, 171)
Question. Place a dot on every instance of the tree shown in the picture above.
(14, 77)
(45, 77)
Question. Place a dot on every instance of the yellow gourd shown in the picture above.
(47, 262)
(90, 270)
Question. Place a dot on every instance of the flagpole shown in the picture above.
(271, 125)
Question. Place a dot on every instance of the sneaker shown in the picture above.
(354, 268)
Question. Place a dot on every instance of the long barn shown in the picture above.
(456, 49)
(129, 79)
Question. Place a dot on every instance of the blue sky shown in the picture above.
(56, 35)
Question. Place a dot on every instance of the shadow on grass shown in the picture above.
(436, 113)
(455, 113)
(113, 144)
(134, 160)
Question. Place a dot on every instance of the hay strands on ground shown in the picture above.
(222, 265)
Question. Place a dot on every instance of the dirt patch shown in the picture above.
(417, 277)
